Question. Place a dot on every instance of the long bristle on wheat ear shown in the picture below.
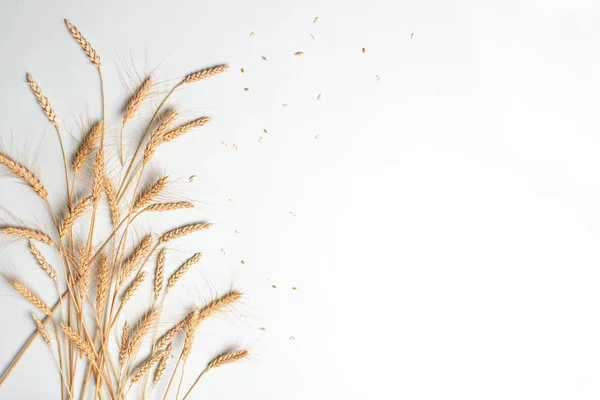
(86, 146)
(43, 100)
(85, 45)
(73, 215)
(148, 195)
(27, 233)
(205, 73)
(78, 342)
(25, 174)
(29, 295)
(183, 231)
(42, 262)
(227, 358)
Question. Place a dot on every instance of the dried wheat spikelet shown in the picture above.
(124, 344)
(113, 204)
(183, 231)
(160, 207)
(102, 283)
(160, 272)
(190, 332)
(43, 100)
(183, 269)
(27, 233)
(29, 295)
(85, 45)
(174, 331)
(205, 73)
(73, 215)
(142, 370)
(138, 255)
(133, 287)
(42, 330)
(219, 304)
(142, 330)
(148, 195)
(98, 177)
(42, 262)
(159, 138)
(227, 358)
(86, 146)
(85, 276)
(25, 174)
(83, 346)
(135, 101)
(162, 363)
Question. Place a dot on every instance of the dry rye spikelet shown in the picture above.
(27, 233)
(42, 262)
(113, 205)
(139, 253)
(29, 295)
(25, 174)
(135, 284)
(43, 100)
(160, 272)
(183, 231)
(148, 195)
(86, 146)
(85, 45)
(73, 215)
(78, 342)
(205, 73)
(183, 269)
(42, 330)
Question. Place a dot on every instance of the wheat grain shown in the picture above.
(86, 146)
(183, 269)
(299, 53)
(27, 233)
(73, 215)
(169, 206)
(42, 330)
(29, 295)
(43, 101)
(205, 73)
(183, 231)
(139, 253)
(85, 45)
(83, 346)
(160, 272)
(148, 195)
(42, 262)
(25, 174)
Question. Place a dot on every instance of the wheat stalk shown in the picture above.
(183, 269)
(43, 100)
(25, 174)
(183, 231)
(85, 45)
(42, 262)
(205, 73)
(86, 146)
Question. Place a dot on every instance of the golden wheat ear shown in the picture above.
(25, 174)
(133, 105)
(85, 45)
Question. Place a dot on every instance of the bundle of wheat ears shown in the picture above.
(98, 354)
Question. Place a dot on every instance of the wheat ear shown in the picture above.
(83, 346)
(42, 262)
(113, 204)
(25, 174)
(86, 146)
(98, 177)
(162, 364)
(133, 105)
(160, 272)
(85, 45)
(142, 330)
(102, 283)
(183, 231)
(124, 344)
(205, 73)
(29, 295)
(148, 195)
(142, 370)
(42, 330)
(73, 215)
(27, 233)
(160, 207)
(43, 100)
(174, 331)
(138, 255)
(135, 284)
(85, 276)
(183, 269)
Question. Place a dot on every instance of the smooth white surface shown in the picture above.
(447, 228)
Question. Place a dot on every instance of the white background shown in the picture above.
(445, 243)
